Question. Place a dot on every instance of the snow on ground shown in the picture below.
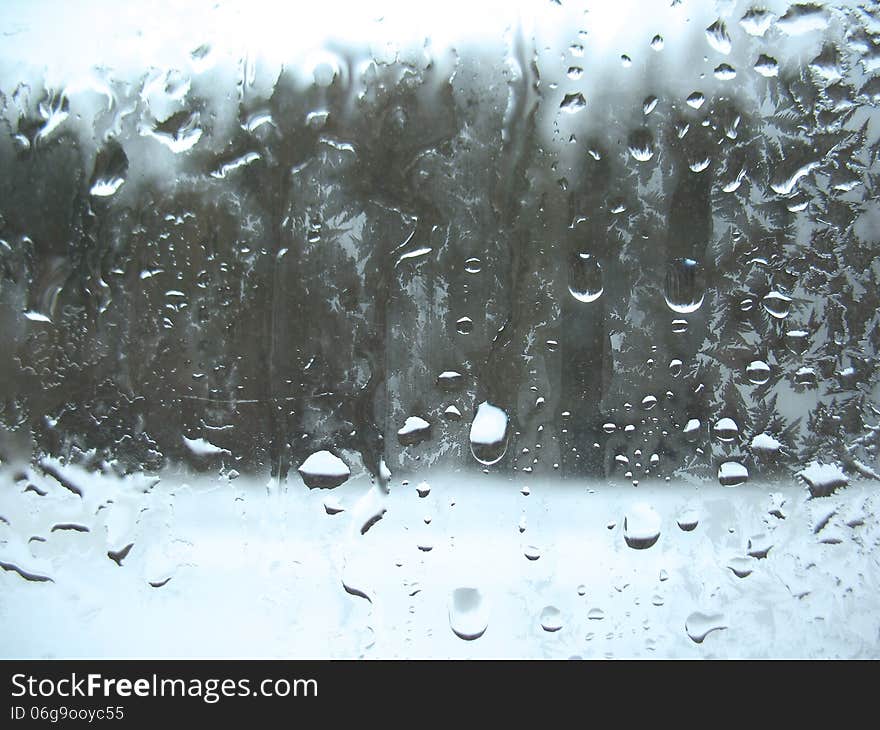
(245, 568)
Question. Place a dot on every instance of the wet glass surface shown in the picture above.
(492, 329)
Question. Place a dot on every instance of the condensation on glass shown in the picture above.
(497, 329)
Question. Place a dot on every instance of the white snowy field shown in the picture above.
(222, 568)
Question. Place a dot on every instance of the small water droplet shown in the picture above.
(657, 43)
(473, 265)
(464, 325)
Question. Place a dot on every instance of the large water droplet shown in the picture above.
(551, 619)
(758, 372)
(473, 265)
(488, 434)
(641, 145)
(685, 285)
(323, 470)
(776, 304)
(700, 625)
(803, 18)
(573, 103)
(718, 38)
(767, 66)
(756, 21)
(696, 100)
(414, 431)
(726, 430)
(468, 613)
(732, 474)
(585, 278)
(641, 526)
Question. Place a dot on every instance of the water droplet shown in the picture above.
(323, 470)
(700, 625)
(725, 72)
(423, 489)
(803, 18)
(648, 402)
(585, 278)
(452, 413)
(726, 430)
(473, 265)
(675, 367)
(776, 304)
(111, 166)
(582, 590)
(688, 520)
(756, 21)
(625, 61)
(732, 474)
(551, 619)
(699, 164)
(180, 132)
(758, 372)
(450, 380)
(685, 285)
(575, 72)
(488, 434)
(679, 326)
(641, 526)
(823, 479)
(532, 552)
(657, 43)
(468, 613)
(649, 104)
(741, 567)
(414, 431)
(696, 100)
(595, 614)
(464, 325)
(797, 341)
(573, 103)
(718, 38)
(691, 429)
(641, 145)
(765, 444)
(785, 181)
(767, 66)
